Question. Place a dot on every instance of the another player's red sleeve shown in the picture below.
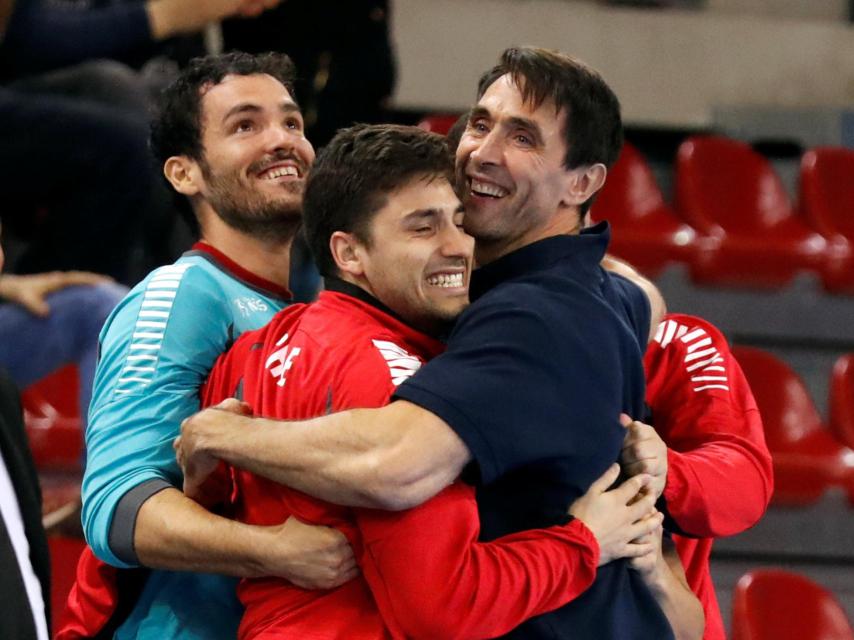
(222, 383)
(431, 578)
(719, 478)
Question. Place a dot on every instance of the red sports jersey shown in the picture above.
(719, 477)
(423, 572)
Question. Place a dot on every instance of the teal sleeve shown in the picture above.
(156, 353)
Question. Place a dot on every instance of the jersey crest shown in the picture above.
(281, 360)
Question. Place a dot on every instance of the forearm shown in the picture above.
(174, 533)
(393, 458)
(431, 577)
(681, 607)
(40, 38)
(717, 489)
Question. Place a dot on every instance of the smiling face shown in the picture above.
(417, 259)
(510, 169)
(256, 157)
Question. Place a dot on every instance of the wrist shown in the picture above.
(255, 545)
(215, 437)
(656, 580)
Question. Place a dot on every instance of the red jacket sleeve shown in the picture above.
(431, 578)
(223, 383)
(719, 478)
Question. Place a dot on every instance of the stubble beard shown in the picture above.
(270, 220)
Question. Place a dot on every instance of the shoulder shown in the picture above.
(688, 352)
(679, 332)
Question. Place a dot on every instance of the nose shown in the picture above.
(280, 137)
(488, 149)
(456, 243)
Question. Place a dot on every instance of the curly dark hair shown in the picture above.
(355, 172)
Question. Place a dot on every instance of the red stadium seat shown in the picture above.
(52, 417)
(749, 232)
(842, 400)
(773, 604)
(807, 458)
(64, 553)
(645, 231)
(439, 122)
(827, 201)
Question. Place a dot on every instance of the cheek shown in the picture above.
(307, 151)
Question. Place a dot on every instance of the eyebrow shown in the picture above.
(288, 106)
(420, 214)
(478, 112)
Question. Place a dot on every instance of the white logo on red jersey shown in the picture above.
(703, 361)
(281, 360)
(401, 364)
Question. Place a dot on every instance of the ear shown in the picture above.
(183, 174)
(347, 253)
(583, 183)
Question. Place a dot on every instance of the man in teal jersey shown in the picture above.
(230, 137)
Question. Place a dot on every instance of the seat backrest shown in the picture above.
(723, 183)
(841, 401)
(631, 191)
(827, 189)
(772, 604)
(787, 409)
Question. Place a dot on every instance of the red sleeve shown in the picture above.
(222, 383)
(719, 478)
(431, 578)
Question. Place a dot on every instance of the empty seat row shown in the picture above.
(732, 220)
(809, 458)
(774, 604)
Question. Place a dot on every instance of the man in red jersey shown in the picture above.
(707, 450)
(385, 228)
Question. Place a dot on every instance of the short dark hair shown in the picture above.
(176, 128)
(354, 173)
(593, 128)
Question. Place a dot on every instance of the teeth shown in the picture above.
(446, 280)
(487, 189)
(280, 171)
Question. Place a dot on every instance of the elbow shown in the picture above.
(98, 540)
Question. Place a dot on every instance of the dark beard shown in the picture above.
(267, 221)
(250, 213)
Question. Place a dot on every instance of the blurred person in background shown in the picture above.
(77, 179)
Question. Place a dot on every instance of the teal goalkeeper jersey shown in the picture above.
(156, 350)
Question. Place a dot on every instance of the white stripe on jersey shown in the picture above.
(401, 364)
(150, 327)
(702, 357)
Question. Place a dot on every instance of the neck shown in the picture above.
(562, 223)
(268, 259)
(358, 281)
